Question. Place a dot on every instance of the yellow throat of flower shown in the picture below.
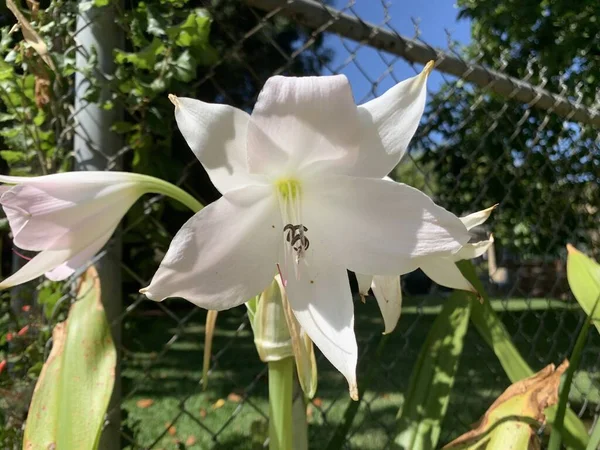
(288, 189)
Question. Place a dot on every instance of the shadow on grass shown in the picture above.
(228, 414)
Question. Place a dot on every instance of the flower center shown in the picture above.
(295, 241)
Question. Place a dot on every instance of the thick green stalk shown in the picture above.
(175, 192)
(281, 382)
(158, 186)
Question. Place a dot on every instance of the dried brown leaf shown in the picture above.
(30, 35)
(526, 399)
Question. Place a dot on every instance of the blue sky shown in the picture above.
(434, 18)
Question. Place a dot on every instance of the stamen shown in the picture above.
(295, 241)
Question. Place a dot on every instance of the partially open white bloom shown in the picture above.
(66, 217)
(440, 268)
(301, 192)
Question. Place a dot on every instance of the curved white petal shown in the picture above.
(300, 123)
(322, 303)
(67, 268)
(475, 250)
(364, 284)
(81, 185)
(40, 264)
(388, 123)
(225, 254)
(388, 294)
(41, 220)
(217, 136)
(445, 273)
(477, 218)
(375, 226)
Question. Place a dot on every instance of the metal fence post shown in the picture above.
(96, 148)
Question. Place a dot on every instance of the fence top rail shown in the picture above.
(316, 15)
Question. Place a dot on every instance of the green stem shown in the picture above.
(281, 378)
(175, 192)
(158, 186)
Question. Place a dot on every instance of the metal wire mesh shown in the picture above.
(162, 403)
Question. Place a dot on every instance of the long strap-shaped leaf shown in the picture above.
(71, 396)
(495, 335)
(584, 280)
(431, 381)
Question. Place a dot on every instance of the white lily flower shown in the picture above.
(440, 268)
(67, 217)
(298, 194)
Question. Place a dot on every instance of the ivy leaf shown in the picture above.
(13, 156)
(185, 67)
(145, 58)
(156, 24)
(193, 31)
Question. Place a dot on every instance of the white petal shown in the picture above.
(477, 218)
(475, 250)
(388, 123)
(322, 302)
(81, 185)
(375, 226)
(225, 254)
(217, 136)
(67, 269)
(388, 293)
(364, 283)
(41, 221)
(43, 262)
(445, 273)
(300, 123)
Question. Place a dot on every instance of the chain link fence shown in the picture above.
(96, 98)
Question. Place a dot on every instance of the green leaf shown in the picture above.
(594, 438)
(13, 156)
(584, 280)
(72, 393)
(193, 31)
(185, 67)
(338, 439)
(494, 333)
(559, 418)
(145, 58)
(431, 381)
(156, 23)
(583, 274)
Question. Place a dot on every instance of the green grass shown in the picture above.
(172, 379)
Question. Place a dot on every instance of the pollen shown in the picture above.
(289, 189)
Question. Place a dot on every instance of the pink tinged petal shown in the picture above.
(388, 294)
(445, 273)
(225, 254)
(322, 303)
(69, 267)
(82, 185)
(217, 136)
(41, 263)
(388, 123)
(364, 284)
(477, 218)
(42, 220)
(374, 226)
(300, 123)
